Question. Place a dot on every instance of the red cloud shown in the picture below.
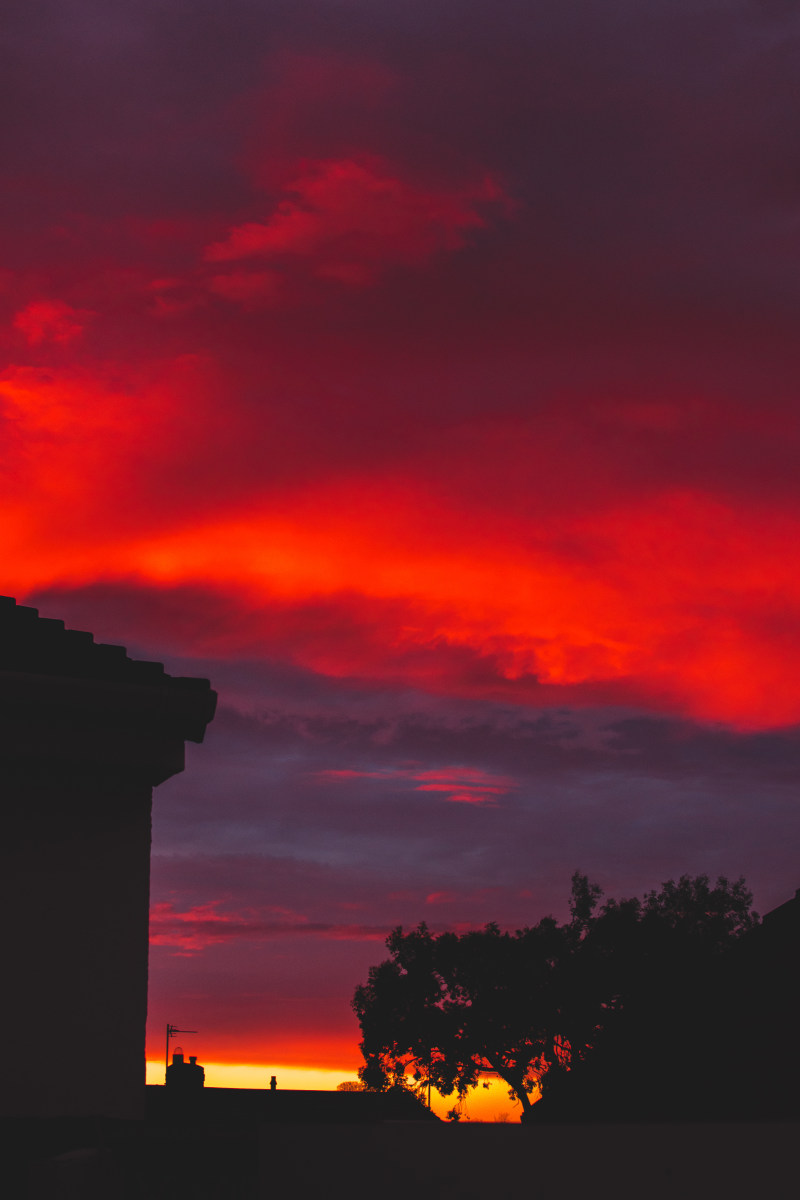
(465, 785)
(50, 320)
(473, 796)
(353, 218)
(248, 288)
(191, 930)
(349, 774)
(202, 925)
(468, 776)
(670, 597)
(461, 785)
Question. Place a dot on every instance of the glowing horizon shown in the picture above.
(489, 1101)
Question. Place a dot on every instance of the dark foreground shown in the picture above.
(396, 1161)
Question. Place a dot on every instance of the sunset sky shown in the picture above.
(425, 374)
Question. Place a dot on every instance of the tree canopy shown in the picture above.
(532, 1005)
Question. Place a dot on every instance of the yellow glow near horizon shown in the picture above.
(256, 1075)
(487, 1102)
(484, 1103)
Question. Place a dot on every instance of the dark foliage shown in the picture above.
(586, 1008)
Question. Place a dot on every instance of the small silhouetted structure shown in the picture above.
(86, 733)
(185, 1076)
(273, 1083)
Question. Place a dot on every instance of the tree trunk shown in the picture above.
(517, 1084)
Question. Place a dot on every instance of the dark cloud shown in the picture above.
(631, 798)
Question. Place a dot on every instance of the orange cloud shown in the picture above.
(681, 601)
(79, 444)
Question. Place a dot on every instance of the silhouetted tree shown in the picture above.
(534, 1005)
(657, 970)
(447, 1008)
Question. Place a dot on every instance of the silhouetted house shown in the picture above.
(781, 926)
(85, 735)
(185, 1076)
(766, 987)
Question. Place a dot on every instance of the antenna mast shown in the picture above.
(171, 1031)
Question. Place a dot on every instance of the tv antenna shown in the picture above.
(171, 1031)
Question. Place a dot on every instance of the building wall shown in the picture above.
(74, 873)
